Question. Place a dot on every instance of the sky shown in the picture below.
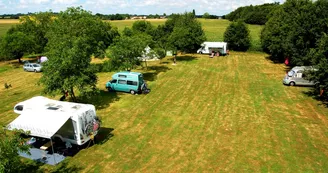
(139, 7)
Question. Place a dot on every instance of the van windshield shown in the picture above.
(291, 73)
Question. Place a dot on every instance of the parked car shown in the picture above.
(32, 67)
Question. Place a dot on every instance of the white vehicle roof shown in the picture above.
(214, 44)
(43, 117)
(297, 68)
(43, 103)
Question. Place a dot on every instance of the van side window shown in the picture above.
(122, 81)
(132, 83)
(121, 75)
(113, 81)
(299, 74)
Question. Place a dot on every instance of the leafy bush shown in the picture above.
(237, 36)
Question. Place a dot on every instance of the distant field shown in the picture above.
(5, 24)
(214, 29)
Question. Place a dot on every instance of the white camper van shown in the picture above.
(296, 76)
(208, 47)
(57, 120)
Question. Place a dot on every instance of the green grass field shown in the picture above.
(229, 114)
(226, 114)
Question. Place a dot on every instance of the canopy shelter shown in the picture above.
(40, 124)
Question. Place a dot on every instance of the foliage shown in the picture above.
(73, 37)
(319, 57)
(237, 36)
(294, 29)
(28, 37)
(10, 144)
(127, 32)
(126, 50)
(15, 44)
(187, 33)
(252, 14)
(142, 26)
(206, 15)
(113, 16)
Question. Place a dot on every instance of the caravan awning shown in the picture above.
(39, 124)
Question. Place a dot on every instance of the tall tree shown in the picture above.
(27, 37)
(237, 36)
(206, 15)
(187, 33)
(72, 38)
(125, 51)
(15, 44)
(319, 57)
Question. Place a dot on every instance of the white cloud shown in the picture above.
(65, 2)
(26, 2)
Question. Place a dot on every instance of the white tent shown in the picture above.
(148, 55)
(41, 124)
(43, 59)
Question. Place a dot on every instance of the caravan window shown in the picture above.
(122, 81)
(121, 75)
(132, 83)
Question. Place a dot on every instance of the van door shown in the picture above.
(122, 86)
(113, 84)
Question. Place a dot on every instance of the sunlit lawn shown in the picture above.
(229, 114)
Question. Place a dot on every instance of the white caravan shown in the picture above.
(57, 120)
(209, 47)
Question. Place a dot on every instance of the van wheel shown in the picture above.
(35, 71)
(292, 84)
(201, 52)
(110, 89)
(132, 92)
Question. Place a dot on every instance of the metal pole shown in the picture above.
(53, 152)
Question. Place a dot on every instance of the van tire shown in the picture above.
(35, 71)
(109, 89)
(132, 92)
(292, 84)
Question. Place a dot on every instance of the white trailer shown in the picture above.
(209, 47)
(57, 120)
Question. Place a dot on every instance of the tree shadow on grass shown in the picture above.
(154, 71)
(63, 167)
(313, 93)
(275, 60)
(38, 167)
(101, 100)
(185, 58)
(104, 134)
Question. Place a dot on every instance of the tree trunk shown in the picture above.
(72, 95)
(146, 64)
(19, 60)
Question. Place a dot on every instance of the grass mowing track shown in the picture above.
(203, 115)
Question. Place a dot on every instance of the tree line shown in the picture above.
(75, 35)
(257, 14)
(297, 31)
